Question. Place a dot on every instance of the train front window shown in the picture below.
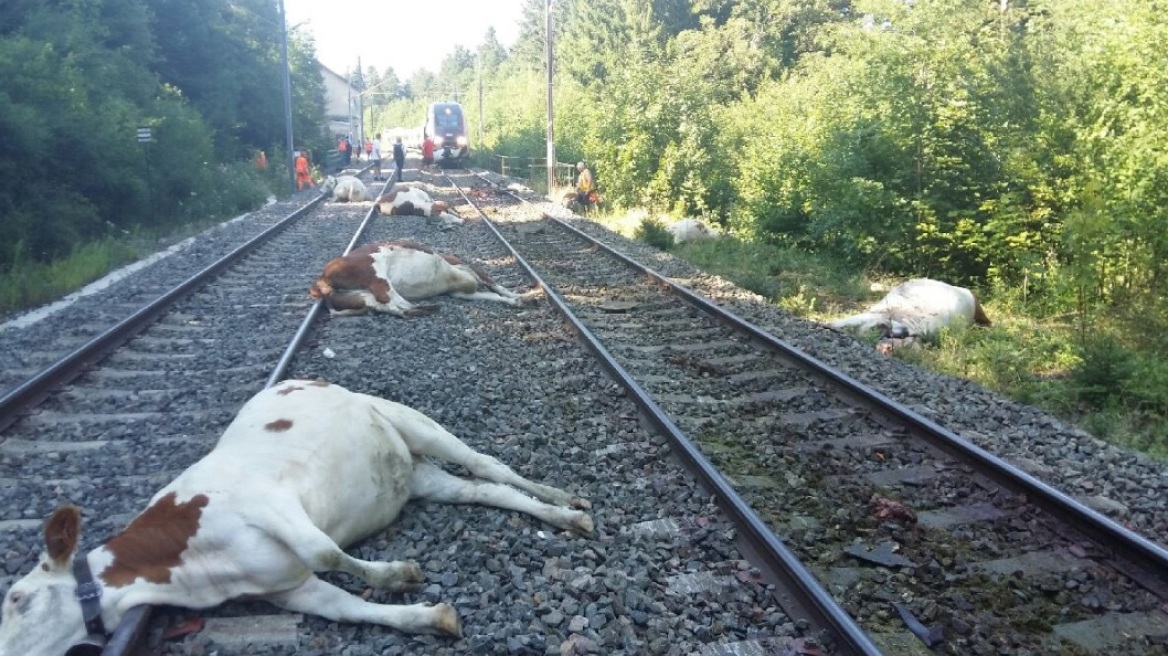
(448, 120)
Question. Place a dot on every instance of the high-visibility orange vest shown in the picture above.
(342, 146)
(302, 165)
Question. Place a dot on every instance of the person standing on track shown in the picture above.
(303, 175)
(427, 152)
(399, 157)
(375, 156)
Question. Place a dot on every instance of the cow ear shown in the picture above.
(62, 531)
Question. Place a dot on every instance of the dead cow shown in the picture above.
(411, 201)
(304, 470)
(690, 230)
(389, 276)
(918, 307)
(345, 189)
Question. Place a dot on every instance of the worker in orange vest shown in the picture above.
(262, 161)
(303, 175)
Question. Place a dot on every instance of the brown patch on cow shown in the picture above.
(347, 302)
(279, 426)
(153, 544)
(439, 207)
(353, 271)
(380, 290)
(288, 390)
(979, 315)
(453, 260)
(406, 209)
(62, 531)
(387, 198)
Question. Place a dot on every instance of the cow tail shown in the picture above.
(979, 315)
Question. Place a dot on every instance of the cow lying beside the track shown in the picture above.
(690, 230)
(411, 201)
(388, 276)
(917, 308)
(345, 189)
(304, 470)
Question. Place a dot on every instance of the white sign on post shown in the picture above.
(144, 135)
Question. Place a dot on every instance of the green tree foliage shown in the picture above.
(1009, 143)
(78, 78)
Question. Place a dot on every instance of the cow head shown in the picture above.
(42, 617)
(328, 186)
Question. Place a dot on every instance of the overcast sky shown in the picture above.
(408, 35)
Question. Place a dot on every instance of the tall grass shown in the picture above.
(230, 190)
(28, 284)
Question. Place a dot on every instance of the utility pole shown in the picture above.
(551, 141)
(480, 67)
(287, 97)
(360, 103)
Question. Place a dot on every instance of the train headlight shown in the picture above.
(461, 141)
(437, 141)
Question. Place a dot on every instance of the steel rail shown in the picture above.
(771, 555)
(133, 625)
(1127, 544)
(39, 387)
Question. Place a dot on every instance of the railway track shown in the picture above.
(661, 576)
(667, 571)
(906, 525)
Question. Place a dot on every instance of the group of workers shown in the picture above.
(586, 193)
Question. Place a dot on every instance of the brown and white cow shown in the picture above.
(304, 470)
(411, 201)
(690, 230)
(388, 276)
(917, 308)
(345, 189)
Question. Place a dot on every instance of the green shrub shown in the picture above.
(1104, 373)
(653, 232)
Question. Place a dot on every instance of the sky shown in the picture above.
(408, 35)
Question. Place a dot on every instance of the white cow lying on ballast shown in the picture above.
(690, 230)
(345, 189)
(387, 276)
(918, 307)
(304, 470)
(411, 201)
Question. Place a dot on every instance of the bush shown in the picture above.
(1104, 373)
(653, 232)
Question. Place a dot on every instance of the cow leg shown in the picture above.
(425, 437)
(316, 597)
(432, 482)
(320, 553)
(487, 296)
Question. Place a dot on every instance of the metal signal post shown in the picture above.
(551, 142)
(287, 97)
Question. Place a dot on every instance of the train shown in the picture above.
(445, 127)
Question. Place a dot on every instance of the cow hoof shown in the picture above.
(581, 504)
(446, 621)
(583, 525)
